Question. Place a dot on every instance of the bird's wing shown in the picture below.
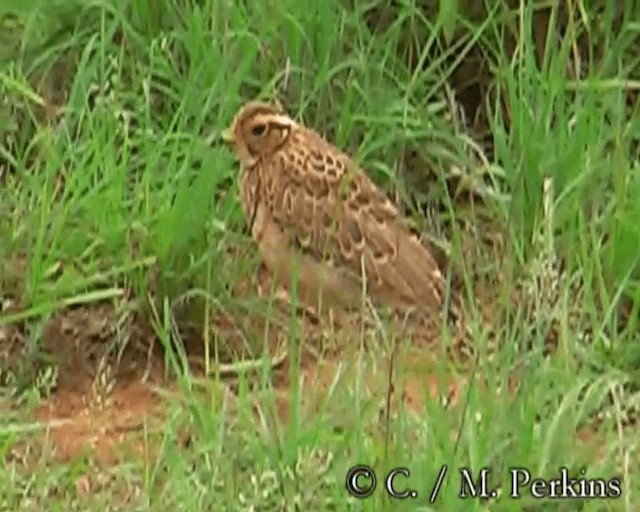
(335, 213)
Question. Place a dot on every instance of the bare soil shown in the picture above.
(101, 405)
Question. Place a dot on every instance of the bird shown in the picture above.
(323, 226)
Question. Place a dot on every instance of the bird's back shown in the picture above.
(334, 214)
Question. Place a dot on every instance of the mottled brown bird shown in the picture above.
(318, 219)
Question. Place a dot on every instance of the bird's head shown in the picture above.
(257, 131)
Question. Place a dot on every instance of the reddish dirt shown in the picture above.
(77, 428)
(97, 405)
(101, 407)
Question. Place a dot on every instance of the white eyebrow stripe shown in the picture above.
(283, 120)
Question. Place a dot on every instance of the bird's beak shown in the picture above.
(228, 137)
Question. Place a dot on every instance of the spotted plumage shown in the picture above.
(320, 220)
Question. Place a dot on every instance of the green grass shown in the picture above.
(123, 199)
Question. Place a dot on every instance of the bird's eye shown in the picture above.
(258, 129)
